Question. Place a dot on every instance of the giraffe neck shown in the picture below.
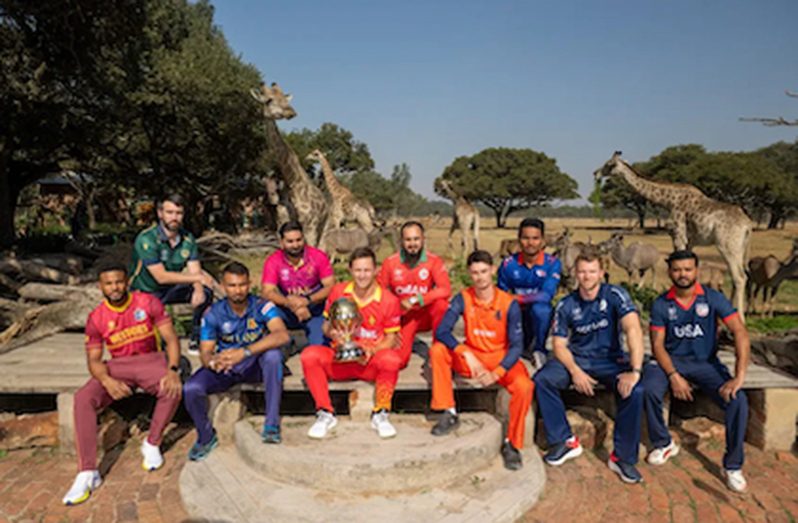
(290, 167)
(650, 190)
(329, 176)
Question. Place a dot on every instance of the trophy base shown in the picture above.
(348, 354)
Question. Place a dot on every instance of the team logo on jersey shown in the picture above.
(372, 320)
(184, 253)
(516, 273)
(541, 273)
(164, 255)
(577, 313)
(423, 274)
(251, 324)
(111, 325)
(498, 315)
(139, 315)
(266, 307)
(227, 327)
(285, 274)
(702, 309)
(603, 305)
(688, 331)
(672, 313)
(145, 246)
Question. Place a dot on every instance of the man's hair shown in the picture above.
(682, 255)
(479, 256)
(239, 269)
(590, 254)
(287, 227)
(362, 252)
(411, 223)
(173, 198)
(111, 266)
(537, 223)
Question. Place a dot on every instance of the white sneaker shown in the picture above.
(380, 423)
(85, 483)
(153, 460)
(661, 455)
(735, 480)
(325, 421)
(539, 359)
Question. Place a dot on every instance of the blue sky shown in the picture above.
(423, 82)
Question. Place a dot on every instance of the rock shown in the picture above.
(29, 430)
(703, 428)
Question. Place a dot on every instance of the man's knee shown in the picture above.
(547, 377)
(85, 395)
(438, 351)
(311, 356)
(522, 386)
(388, 360)
(194, 388)
(272, 357)
(739, 402)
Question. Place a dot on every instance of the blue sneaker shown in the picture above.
(562, 452)
(200, 452)
(627, 472)
(271, 434)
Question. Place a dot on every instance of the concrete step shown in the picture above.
(353, 459)
(224, 488)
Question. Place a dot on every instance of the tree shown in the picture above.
(345, 154)
(508, 180)
(779, 120)
(617, 194)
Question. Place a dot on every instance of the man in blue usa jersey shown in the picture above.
(240, 342)
(684, 342)
(586, 337)
(533, 277)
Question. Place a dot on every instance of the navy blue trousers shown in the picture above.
(553, 378)
(536, 322)
(181, 293)
(312, 326)
(266, 368)
(708, 376)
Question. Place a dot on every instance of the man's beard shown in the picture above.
(411, 257)
(119, 301)
(684, 286)
(171, 226)
(238, 300)
(295, 253)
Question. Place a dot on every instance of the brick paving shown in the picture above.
(687, 489)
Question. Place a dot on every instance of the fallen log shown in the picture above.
(35, 271)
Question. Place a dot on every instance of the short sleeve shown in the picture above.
(146, 250)
(335, 293)
(269, 276)
(393, 314)
(324, 266)
(268, 311)
(94, 338)
(723, 307)
(193, 250)
(622, 301)
(560, 325)
(157, 311)
(208, 326)
(658, 315)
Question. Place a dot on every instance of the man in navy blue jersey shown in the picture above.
(586, 337)
(684, 342)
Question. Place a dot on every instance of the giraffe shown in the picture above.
(464, 215)
(695, 219)
(307, 199)
(344, 206)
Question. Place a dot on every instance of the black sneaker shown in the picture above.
(562, 452)
(627, 472)
(193, 347)
(511, 456)
(446, 423)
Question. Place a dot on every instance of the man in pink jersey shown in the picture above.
(297, 278)
(125, 322)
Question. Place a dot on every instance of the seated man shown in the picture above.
(297, 278)
(684, 343)
(377, 336)
(420, 280)
(126, 324)
(533, 277)
(587, 350)
(240, 343)
(490, 353)
(160, 253)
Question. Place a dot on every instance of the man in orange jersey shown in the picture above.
(420, 280)
(377, 336)
(490, 353)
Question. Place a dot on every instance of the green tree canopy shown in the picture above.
(345, 154)
(508, 180)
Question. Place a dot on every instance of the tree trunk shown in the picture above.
(775, 218)
(8, 203)
(641, 219)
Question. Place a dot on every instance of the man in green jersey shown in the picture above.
(166, 264)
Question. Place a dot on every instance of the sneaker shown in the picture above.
(735, 480)
(193, 348)
(627, 472)
(153, 460)
(380, 423)
(85, 483)
(200, 452)
(562, 452)
(446, 423)
(538, 360)
(325, 421)
(661, 455)
(511, 456)
(271, 434)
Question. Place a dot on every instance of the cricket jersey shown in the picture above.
(593, 328)
(489, 326)
(231, 331)
(126, 330)
(381, 313)
(151, 247)
(530, 284)
(303, 279)
(691, 329)
(428, 279)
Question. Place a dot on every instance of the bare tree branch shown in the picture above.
(775, 122)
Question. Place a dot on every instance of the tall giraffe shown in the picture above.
(695, 219)
(464, 215)
(307, 199)
(344, 206)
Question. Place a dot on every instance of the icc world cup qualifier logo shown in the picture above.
(345, 317)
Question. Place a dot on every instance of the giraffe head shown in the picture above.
(276, 104)
(610, 168)
(315, 156)
(444, 187)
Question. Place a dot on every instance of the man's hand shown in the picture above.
(295, 302)
(627, 382)
(197, 296)
(171, 384)
(368, 352)
(474, 365)
(583, 383)
(406, 304)
(728, 390)
(681, 388)
(227, 359)
(207, 280)
(302, 314)
(116, 389)
(487, 378)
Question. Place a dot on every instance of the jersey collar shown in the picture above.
(230, 312)
(375, 296)
(123, 307)
(164, 238)
(540, 260)
(488, 305)
(698, 290)
(301, 260)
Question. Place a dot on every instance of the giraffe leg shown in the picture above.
(476, 231)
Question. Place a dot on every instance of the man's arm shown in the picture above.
(99, 371)
(444, 331)
(582, 381)
(742, 350)
(679, 386)
(501, 280)
(630, 323)
(277, 337)
(326, 286)
(515, 339)
(550, 284)
(273, 294)
(164, 277)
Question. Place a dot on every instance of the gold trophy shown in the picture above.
(345, 317)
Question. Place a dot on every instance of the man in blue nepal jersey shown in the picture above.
(533, 277)
(240, 342)
(684, 324)
(586, 336)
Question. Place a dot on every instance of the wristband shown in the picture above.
(638, 371)
(247, 352)
(420, 299)
(671, 373)
(175, 368)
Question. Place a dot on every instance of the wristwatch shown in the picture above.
(247, 352)
(637, 370)
(175, 368)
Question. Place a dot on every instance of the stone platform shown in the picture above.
(353, 476)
